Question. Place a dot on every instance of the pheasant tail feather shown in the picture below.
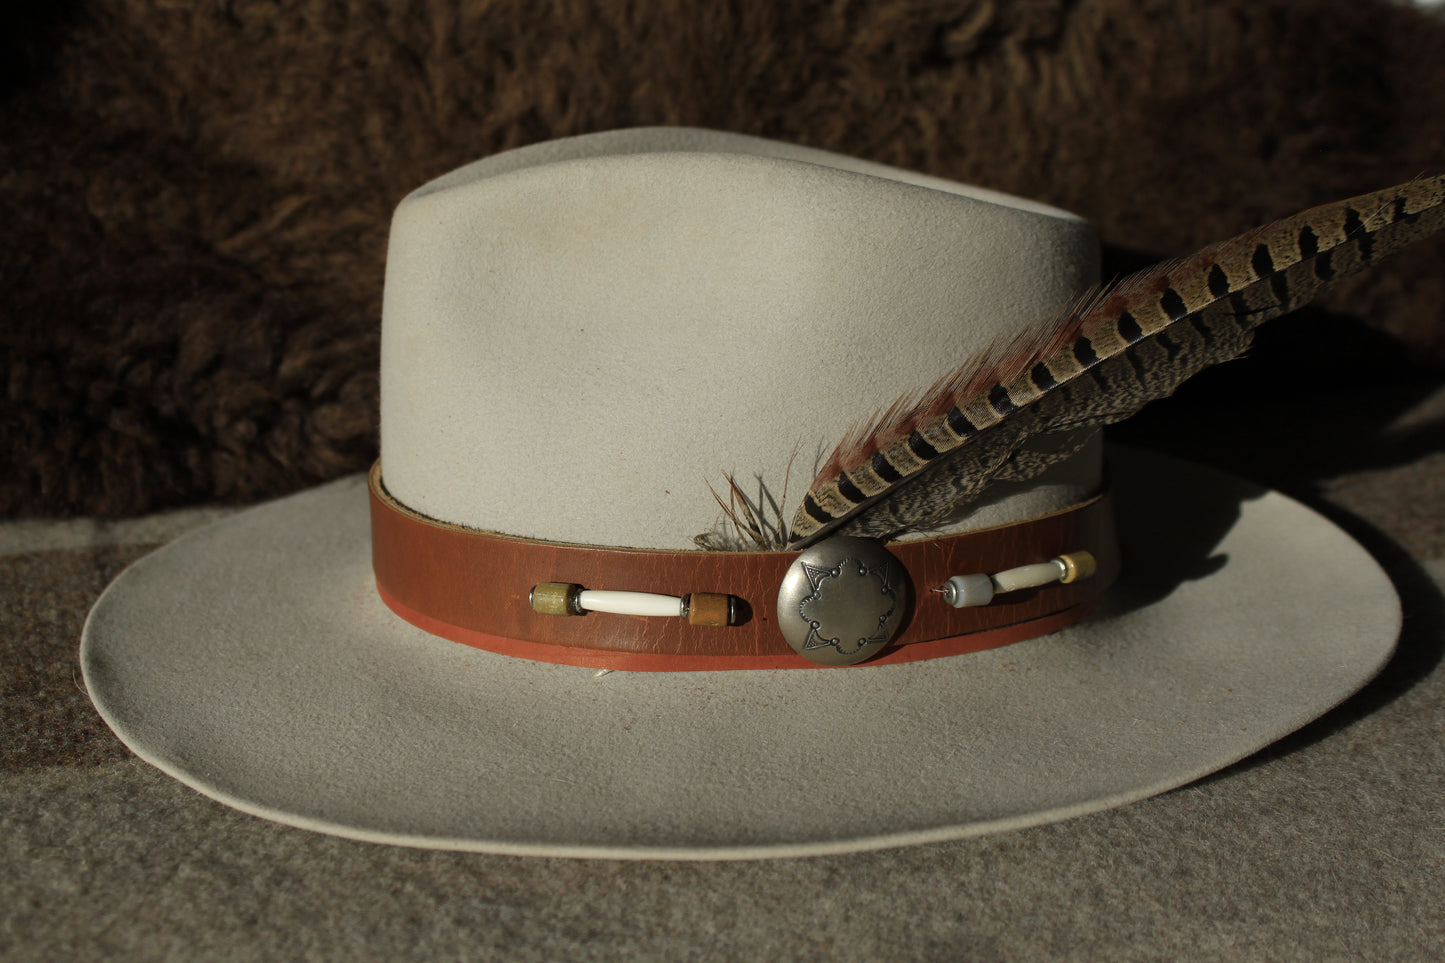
(922, 464)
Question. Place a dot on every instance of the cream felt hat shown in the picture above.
(580, 337)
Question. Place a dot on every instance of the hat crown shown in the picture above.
(580, 336)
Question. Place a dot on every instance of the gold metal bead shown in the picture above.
(555, 598)
(1078, 565)
(708, 608)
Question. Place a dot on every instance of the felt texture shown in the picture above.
(196, 200)
(1323, 846)
(215, 660)
(196, 197)
(580, 338)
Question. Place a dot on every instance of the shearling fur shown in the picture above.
(195, 198)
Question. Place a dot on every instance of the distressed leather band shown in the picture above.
(472, 587)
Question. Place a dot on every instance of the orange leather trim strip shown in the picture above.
(471, 587)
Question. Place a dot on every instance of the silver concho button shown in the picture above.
(842, 600)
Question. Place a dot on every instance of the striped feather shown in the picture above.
(921, 463)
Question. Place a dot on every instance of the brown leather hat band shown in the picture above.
(473, 587)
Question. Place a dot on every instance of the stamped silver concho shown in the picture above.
(842, 600)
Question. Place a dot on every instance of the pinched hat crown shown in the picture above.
(581, 336)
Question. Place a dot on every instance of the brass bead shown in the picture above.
(1078, 565)
(555, 598)
(708, 608)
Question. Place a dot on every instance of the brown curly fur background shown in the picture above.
(195, 198)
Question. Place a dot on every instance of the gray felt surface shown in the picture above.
(1326, 846)
(1329, 850)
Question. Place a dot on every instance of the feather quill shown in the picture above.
(1032, 403)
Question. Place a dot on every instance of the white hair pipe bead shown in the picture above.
(967, 590)
(565, 598)
(979, 589)
(1028, 576)
(629, 603)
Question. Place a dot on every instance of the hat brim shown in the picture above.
(253, 661)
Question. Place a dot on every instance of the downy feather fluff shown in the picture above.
(1010, 416)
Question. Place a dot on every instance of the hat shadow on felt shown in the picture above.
(1216, 419)
(1420, 648)
(1153, 566)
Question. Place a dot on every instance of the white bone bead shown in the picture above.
(964, 590)
(1029, 576)
(629, 603)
